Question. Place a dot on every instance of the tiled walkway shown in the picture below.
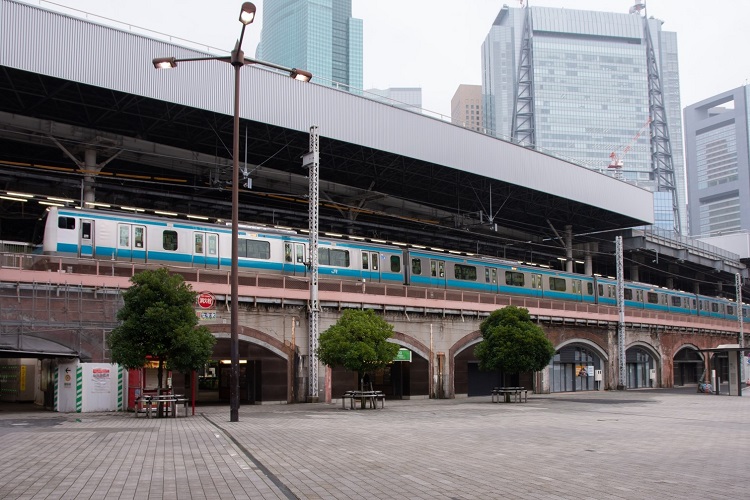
(625, 445)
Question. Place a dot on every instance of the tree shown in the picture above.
(158, 320)
(512, 343)
(358, 342)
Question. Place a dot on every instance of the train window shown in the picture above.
(714, 307)
(138, 236)
(437, 268)
(693, 302)
(300, 251)
(365, 260)
(576, 286)
(664, 299)
(287, 252)
(628, 293)
(199, 243)
(124, 236)
(254, 249)
(416, 266)
(601, 290)
(333, 257)
(395, 264)
(169, 240)
(513, 278)
(653, 297)
(590, 288)
(639, 295)
(462, 272)
(536, 281)
(557, 284)
(213, 240)
(745, 312)
(676, 301)
(66, 223)
(730, 310)
(374, 260)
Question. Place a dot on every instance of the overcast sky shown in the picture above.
(436, 44)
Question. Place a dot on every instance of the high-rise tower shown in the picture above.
(585, 85)
(320, 36)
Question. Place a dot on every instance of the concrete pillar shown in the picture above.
(90, 171)
(670, 282)
(569, 248)
(634, 268)
(588, 266)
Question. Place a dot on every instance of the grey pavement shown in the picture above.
(597, 445)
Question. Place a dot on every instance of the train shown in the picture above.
(196, 242)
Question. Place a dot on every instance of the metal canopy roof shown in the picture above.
(385, 172)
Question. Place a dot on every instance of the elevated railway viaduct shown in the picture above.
(125, 134)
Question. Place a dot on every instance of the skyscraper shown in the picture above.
(596, 88)
(717, 150)
(466, 107)
(320, 36)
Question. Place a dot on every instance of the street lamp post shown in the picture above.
(237, 59)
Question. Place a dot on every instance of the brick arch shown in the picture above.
(600, 351)
(253, 336)
(412, 343)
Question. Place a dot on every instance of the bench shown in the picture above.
(364, 397)
(149, 404)
(503, 394)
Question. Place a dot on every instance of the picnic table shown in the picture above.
(364, 398)
(518, 393)
(148, 403)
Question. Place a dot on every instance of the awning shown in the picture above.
(26, 346)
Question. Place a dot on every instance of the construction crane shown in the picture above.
(616, 160)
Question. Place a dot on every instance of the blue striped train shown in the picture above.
(138, 237)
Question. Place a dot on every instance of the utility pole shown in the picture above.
(311, 161)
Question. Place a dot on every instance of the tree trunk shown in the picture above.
(159, 385)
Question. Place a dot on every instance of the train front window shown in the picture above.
(66, 223)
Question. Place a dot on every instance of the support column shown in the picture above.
(90, 170)
(569, 248)
(588, 266)
(634, 268)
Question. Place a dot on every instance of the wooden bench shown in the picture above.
(364, 397)
(503, 394)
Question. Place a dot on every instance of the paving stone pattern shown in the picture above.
(604, 445)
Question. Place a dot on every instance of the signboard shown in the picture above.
(206, 300)
(403, 355)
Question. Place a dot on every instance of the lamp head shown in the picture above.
(165, 62)
(301, 75)
(247, 14)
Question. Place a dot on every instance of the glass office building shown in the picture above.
(717, 147)
(320, 36)
(585, 75)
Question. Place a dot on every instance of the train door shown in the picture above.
(490, 277)
(86, 243)
(206, 250)
(536, 285)
(577, 290)
(437, 273)
(294, 259)
(371, 266)
(131, 243)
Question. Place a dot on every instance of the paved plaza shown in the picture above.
(619, 445)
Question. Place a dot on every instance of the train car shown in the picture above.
(441, 270)
(137, 237)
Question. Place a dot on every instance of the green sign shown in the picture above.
(403, 355)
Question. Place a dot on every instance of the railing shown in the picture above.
(67, 270)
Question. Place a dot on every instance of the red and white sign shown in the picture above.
(206, 300)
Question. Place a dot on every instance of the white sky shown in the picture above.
(436, 44)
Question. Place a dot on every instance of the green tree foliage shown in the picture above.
(158, 320)
(358, 342)
(512, 343)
